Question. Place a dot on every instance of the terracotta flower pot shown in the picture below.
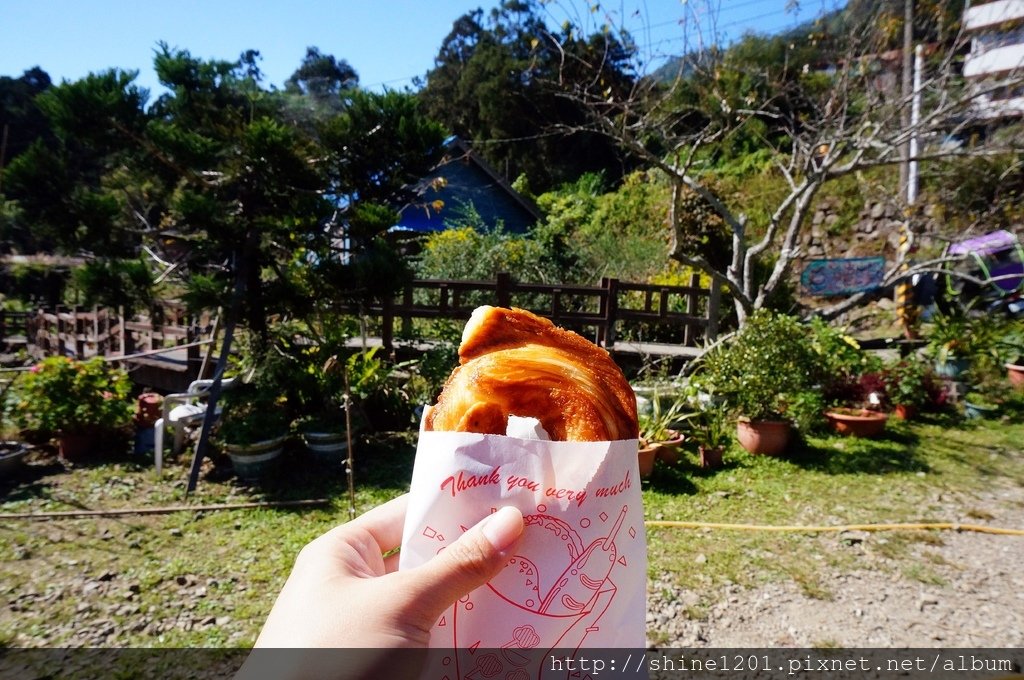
(645, 459)
(857, 422)
(905, 411)
(1015, 372)
(77, 446)
(668, 451)
(763, 437)
(711, 456)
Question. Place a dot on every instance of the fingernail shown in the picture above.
(502, 528)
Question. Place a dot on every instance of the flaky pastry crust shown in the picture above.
(513, 362)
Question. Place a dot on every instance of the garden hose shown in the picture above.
(924, 526)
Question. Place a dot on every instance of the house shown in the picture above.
(463, 179)
(996, 59)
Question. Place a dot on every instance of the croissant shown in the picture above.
(513, 362)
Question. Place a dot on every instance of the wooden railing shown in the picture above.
(13, 330)
(600, 312)
(165, 346)
(161, 347)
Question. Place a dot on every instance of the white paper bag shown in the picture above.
(578, 576)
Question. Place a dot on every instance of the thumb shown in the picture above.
(468, 563)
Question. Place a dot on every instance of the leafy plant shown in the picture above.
(763, 367)
(906, 382)
(1010, 343)
(252, 414)
(261, 403)
(659, 424)
(376, 389)
(958, 335)
(63, 396)
(806, 410)
(844, 369)
(710, 426)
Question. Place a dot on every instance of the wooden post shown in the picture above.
(192, 360)
(120, 329)
(96, 331)
(714, 300)
(442, 302)
(38, 328)
(156, 325)
(407, 300)
(61, 335)
(78, 324)
(503, 292)
(387, 331)
(611, 311)
(691, 309)
(127, 336)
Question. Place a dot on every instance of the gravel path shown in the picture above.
(972, 595)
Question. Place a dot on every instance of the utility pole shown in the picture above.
(908, 75)
(912, 63)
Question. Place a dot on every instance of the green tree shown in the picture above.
(498, 81)
(65, 184)
(21, 121)
(322, 77)
(812, 123)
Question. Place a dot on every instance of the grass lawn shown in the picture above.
(196, 579)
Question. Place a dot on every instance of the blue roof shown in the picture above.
(461, 180)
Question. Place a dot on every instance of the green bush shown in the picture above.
(762, 371)
(62, 396)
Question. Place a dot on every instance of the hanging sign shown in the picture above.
(843, 276)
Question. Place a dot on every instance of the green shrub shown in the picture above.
(63, 396)
(761, 371)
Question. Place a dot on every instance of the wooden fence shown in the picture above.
(599, 312)
(164, 347)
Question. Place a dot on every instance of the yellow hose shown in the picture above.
(948, 526)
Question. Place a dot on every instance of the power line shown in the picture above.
(658, 44)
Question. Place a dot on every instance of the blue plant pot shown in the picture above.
(974, 411)
(952, 368)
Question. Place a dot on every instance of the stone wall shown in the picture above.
(876, 231)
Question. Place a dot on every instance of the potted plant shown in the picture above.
(906, 385)
(957, 342)
(1010, 346)
(863, 412)
(78, 402)
(253, 429)
(658, 430)
(709, 429)
(258, 410)
(980, 405)
(378, 392)
(323, 423)
(757, 373)
(12, 453)
(857, 422)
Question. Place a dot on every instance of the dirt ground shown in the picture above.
(969, 592)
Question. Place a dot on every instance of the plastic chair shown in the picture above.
(181, 411)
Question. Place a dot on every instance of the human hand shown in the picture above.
(342, 592)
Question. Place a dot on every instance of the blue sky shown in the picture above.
(388, 42)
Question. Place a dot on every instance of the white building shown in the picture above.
(996, 62)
